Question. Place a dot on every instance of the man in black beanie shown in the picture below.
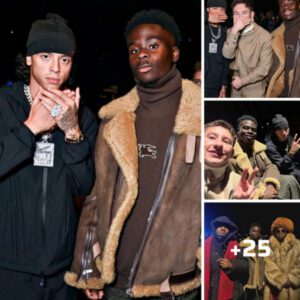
(142, 221)
(216, 65)
(282, 148)
(46, 158)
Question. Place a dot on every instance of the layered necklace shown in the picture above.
(214, 37)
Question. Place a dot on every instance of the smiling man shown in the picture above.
(285, 73)
(46, 158)
(250, 153)
(139, 252)
(220, 181)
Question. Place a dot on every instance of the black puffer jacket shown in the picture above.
(37, 217)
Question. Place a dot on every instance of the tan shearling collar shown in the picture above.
(279, 46)
(188, 116)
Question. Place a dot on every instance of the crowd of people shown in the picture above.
(246, 60)
(254, 268)
(238, 166)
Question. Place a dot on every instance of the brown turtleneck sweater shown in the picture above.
(155, 119)
(291, 36)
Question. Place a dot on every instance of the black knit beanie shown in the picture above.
(216, 3)
(279, 122)
(51, 35)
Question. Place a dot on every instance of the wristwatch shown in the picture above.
(74, 140)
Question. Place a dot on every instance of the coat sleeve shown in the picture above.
(284, 163)
(294, 273)
(264, 63)
(79, 157)
(230, 45)
(84, 273)
(15, 147)
(271, 173)
(85, 270)
(240, 269)
(273, 273)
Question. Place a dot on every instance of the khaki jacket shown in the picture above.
(256, 268)
(173, 240)
(252, 58)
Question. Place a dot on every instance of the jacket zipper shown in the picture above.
(44, 195)
(154, 210)
(85, 259)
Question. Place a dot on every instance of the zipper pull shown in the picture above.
(128, 292)
(42, 280)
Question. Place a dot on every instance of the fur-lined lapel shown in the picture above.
(285, 246)
(279, 50)
(278, 46)
(241, 157)
(188, 116)
(120, 135)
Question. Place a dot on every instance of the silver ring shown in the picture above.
(56, 110)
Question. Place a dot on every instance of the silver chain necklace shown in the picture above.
(47, 135)
(214, 37)
(28, 94)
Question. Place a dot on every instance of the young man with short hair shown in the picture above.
(46, 158)
(142, 221)
(250, 153)
(249, 46)
(220, 181)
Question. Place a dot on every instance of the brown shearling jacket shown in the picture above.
(172, 244)
(276, 76)
(268, 172)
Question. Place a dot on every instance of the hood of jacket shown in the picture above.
(225, 221)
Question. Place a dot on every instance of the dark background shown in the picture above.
(244, 214)
(262, 5)
(263, 111)
(101, 59)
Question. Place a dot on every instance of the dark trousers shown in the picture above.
(25, 286)
(114, 293)
(253, 294)
(211, 93)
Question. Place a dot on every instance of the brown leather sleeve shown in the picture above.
(84, 273)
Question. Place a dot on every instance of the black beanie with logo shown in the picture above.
(216, 3)
(279, 122)
(51, 35)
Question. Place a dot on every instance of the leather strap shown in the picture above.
(180, 278)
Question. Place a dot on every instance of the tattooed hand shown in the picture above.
(69, 100)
